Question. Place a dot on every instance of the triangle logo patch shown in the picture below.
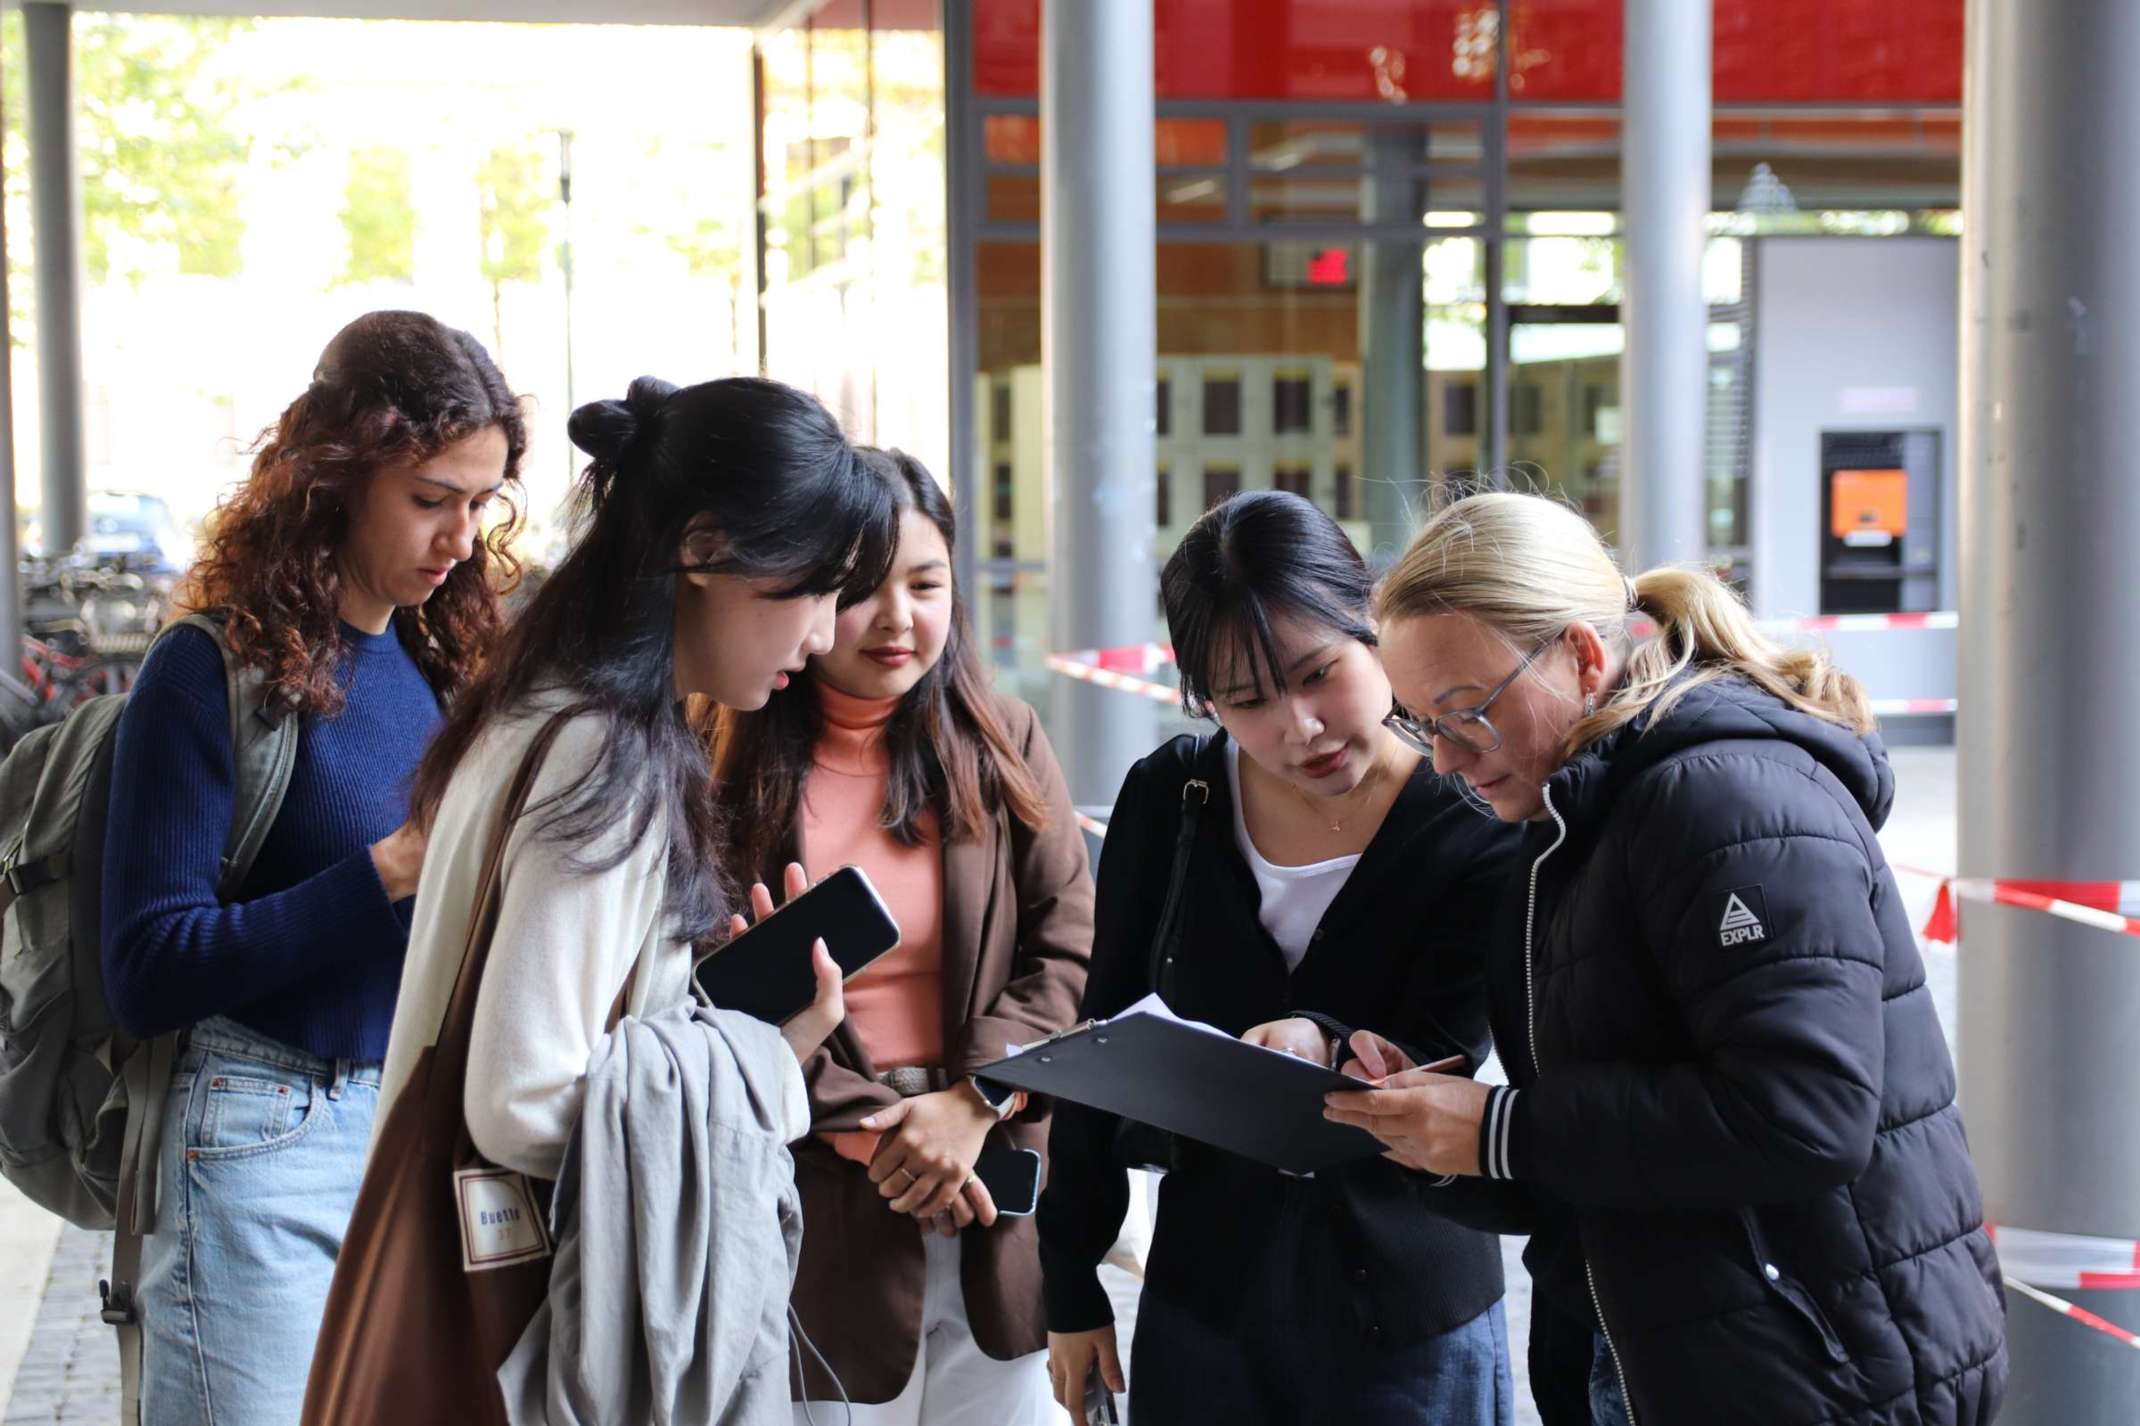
(1745, 918)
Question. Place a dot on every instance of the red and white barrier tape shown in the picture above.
(2067, 1260)
(1086, 666)
(2079, 1314)
(1863, 623)
(1144, 658)
(1086, 669)
(2106, 905)
(2031, 1260)
(1128, 667)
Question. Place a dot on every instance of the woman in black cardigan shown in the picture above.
(1332, 880)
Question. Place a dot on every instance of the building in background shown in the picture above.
(1388, 261)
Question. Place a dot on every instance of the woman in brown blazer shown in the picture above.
(921, 1292)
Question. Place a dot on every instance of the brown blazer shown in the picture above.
(1017, 936)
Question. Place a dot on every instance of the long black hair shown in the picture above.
(767, 468)
(950, 753)
(1251, 559)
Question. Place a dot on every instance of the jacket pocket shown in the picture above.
(1788, 1289)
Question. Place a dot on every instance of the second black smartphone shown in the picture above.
(766, 971)
(1011, 1176)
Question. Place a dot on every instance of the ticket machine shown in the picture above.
(1879, 522)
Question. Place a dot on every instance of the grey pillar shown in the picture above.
(1664, 373)
(2050, 665)
(1099, 338)
(56, 211)
(10, 557)
(1393, 346)
(963, 200)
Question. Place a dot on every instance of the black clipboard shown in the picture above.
(1146, 1064)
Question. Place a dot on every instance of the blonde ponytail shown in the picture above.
(1528, 567)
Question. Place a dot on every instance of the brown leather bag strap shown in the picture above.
(450, 1053)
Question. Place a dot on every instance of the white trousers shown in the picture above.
(954, 1383)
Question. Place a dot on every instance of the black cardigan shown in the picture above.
(1401, 950)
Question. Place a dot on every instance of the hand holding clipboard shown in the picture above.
(1150, 1065)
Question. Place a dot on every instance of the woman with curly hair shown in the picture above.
(356, 571)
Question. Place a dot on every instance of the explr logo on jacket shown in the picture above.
(1745, 917)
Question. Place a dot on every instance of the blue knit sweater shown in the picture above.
(310, 951)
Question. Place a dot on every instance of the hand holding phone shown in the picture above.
(1084, 1371)
(1099, 1401)
(766, 969)
(809, 1028)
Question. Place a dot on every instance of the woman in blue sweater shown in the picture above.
(356, 570)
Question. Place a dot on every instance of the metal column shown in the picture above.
(2050, 658)
(1099, 336)
(963, 201)
(1664, 373)
(1393, 346)
(56, 212)
(10, 556)
(1493, 267)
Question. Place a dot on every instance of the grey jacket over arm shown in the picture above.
(678, 1228)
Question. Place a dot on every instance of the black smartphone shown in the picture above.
(766, 971)
(1011, 1176)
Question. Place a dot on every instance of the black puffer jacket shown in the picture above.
(1727, 1065)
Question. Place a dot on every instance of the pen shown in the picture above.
(1438, 1067)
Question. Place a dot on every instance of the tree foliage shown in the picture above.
(158, 142)
(379, 217)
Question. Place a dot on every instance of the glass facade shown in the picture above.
(852, 213)
(1322, 169)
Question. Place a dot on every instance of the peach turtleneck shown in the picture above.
(895, 1005)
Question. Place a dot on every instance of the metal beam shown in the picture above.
(757, 14)
(1393, 345)
(2050, 338)
(10, 556)
(964, 201)
(56, 215)
(1664, 370)
(1099, 339)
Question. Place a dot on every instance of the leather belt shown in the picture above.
(913, 1080)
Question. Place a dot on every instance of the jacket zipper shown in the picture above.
(1530, 924)
(1530, 1015)
(1627, 1398)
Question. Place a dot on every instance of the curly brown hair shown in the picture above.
(392, 388)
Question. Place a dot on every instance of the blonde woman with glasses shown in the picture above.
(1730, 1121)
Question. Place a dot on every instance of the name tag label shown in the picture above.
(500, 1223)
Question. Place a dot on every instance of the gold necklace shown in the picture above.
(1357, 796)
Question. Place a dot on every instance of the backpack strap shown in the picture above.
(263, 740)
(1195, 796)
(147, 1074)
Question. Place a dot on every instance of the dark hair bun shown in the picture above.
(607, 430)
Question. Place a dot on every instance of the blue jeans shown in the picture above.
(1607, 1406)
(1296, 1354)
(263, 1152)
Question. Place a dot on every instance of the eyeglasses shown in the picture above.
(1466, 727)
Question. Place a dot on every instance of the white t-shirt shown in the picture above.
(1294, 897)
